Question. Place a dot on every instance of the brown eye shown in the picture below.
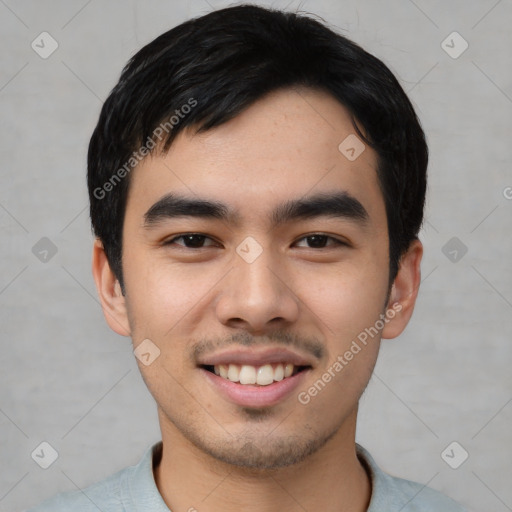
(190, 241)
(319, 241)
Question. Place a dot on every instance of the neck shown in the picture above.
(332, 479)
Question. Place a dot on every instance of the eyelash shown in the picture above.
(336, 241)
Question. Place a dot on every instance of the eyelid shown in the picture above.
(171, 241)
(337, 241)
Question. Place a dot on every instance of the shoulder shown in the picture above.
(132, 488)
(105, 495)
(415, 497)
(393, 493)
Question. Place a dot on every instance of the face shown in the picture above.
(254, 294)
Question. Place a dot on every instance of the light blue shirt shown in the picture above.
(133, 489)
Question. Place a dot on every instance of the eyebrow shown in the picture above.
(336, 204)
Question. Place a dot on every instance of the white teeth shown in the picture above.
(223, 369)
(265, 375)
(247, 375)
(234, 373)
(261, 375)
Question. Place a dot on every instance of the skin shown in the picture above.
(218, 455)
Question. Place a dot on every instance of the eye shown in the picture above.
(190, 240)
(197, 241)
(319, 241)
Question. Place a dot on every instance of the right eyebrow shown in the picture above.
(173, 205)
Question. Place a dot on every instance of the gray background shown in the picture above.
(66, 379)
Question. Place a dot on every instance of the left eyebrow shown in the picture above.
(336, 204)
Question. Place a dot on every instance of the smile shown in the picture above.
(244, 390)
(262, 375)
(257, 376)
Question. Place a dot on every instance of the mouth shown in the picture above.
(255, 386)
(255, 377)
(261, 375)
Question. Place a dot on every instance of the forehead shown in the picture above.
(290, 144)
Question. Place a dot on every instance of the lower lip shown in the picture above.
(249, 395)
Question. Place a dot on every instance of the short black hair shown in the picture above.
(209, 69)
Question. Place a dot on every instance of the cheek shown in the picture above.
(162, 300)
(349, 306)
(348, 298)
(163, 295)
(349, 303)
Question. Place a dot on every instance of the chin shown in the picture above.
(264, 452)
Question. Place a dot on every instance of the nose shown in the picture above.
(258, 296)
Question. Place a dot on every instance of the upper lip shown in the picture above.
(255, 357)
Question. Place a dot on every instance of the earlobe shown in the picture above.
(111, 296)
(404, 291)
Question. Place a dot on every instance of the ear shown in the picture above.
(404, 291)
(112, 300)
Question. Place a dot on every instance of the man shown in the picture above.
(257, 185)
